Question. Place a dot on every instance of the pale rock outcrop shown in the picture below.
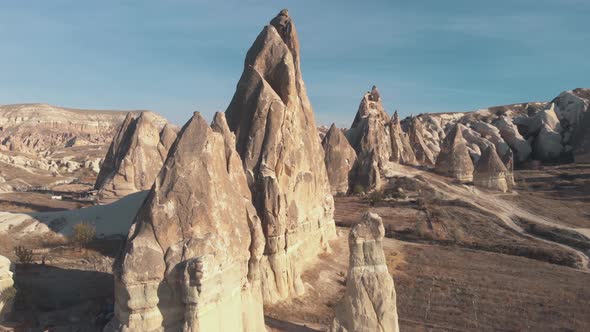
(6, 283)
(490, 171)
(369, 136)
(369, 303)
(454, 160)
(339, 159)
(134, 157)
(544, 118)
(277, 138)
(513, 138)
(423, 153)
(401, 150)
(547, 144)
(191, 260)
(475, 143)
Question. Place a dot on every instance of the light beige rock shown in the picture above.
(401, 150)
(369, 303)
(547, 144)
(454, 160)
(134, 158)
(513, 138)
(490, 171)
(277, 138)
(191, 261)
(6, 282)
(339, 159)
(423, 153)
(369, 136)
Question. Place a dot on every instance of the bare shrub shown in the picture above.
(24, 255)
(83, 234)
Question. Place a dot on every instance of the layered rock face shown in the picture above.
(36, 128)
(191, 261)
(339, 159)
(276, 137)
(135, 156)
(369, 303)
(369, 136)
(401, 150)
(454, 160)
(6, 283)
(490, 172)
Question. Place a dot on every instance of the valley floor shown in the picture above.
(462, 259)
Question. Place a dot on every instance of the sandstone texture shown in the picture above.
(277, 138)
(490, 172)
(6, 284)
(339, 159)
(369, 136)
(191, 260)
(135, 156)
(423, 152)
(508, 160)
(369, 303)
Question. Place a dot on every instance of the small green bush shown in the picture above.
(24, 255)
(358, 189)
(83, 234)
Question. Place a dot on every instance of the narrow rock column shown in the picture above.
(369, 303)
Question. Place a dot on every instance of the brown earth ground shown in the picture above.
(462, 259)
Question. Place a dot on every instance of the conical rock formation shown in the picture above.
(454, 160)
(369, 136)
(401, 150)
(339, 158)
(135, 157)
(369, 303)
(277, 138)
(490, 172)
(191, 261)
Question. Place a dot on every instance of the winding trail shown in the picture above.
(505, 210)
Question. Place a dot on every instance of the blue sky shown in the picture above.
(176, 57)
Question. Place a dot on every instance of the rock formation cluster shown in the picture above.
(191, 261)
(454, 160)
(490, 171)
(135, 156)
(339, 158)
(369, 302)
(276, 137)
(369, 136)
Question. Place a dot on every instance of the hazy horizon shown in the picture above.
(178, 57)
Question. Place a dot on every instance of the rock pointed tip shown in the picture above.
(284, 12)
(375, 96)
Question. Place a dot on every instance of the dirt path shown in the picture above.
(503, 209)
